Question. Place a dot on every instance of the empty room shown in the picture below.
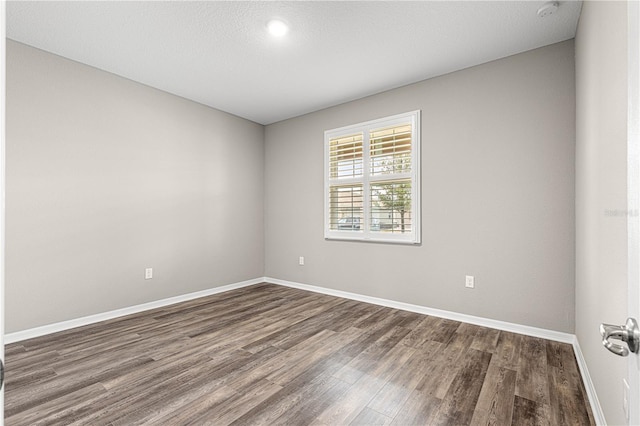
(320, 213)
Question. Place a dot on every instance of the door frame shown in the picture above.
(3, 32)
(633, 197)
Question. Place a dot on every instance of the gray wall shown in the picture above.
(106, 177)
(497, 195)
(601, 182)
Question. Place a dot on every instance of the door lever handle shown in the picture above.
(628, 333)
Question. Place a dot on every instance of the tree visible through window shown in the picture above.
(371, 180)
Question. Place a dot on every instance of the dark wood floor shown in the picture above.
(268, 354)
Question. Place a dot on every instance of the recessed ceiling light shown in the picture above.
(277, 28)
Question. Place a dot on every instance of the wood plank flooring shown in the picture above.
(268, 354)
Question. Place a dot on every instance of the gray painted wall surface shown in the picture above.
(497, 195)
(106, 177)
(601, 182)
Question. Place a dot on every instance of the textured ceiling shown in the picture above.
(219, 53)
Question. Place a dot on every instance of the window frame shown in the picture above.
(367, 179)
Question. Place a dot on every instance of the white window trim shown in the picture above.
(412, 237)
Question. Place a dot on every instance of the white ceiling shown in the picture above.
(219, 53)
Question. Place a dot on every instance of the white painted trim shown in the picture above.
(598, 414)
(412, 237)
(633, 200)
(485, 322)
(3, 74)
(91, 319)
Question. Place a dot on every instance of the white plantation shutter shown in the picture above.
(392, 200)
(390, 150)
(345, 156)
(372, 180)
(346, 206)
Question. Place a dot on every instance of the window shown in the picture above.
(372, 183)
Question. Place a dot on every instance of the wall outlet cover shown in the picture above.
(469, 281)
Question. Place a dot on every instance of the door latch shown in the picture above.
(628, 333)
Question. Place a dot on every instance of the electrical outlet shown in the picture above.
(469, 281)
(301, 261)
(148, 273)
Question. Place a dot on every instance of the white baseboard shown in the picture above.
(91, 319)
(485, 322)
(596, 409)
